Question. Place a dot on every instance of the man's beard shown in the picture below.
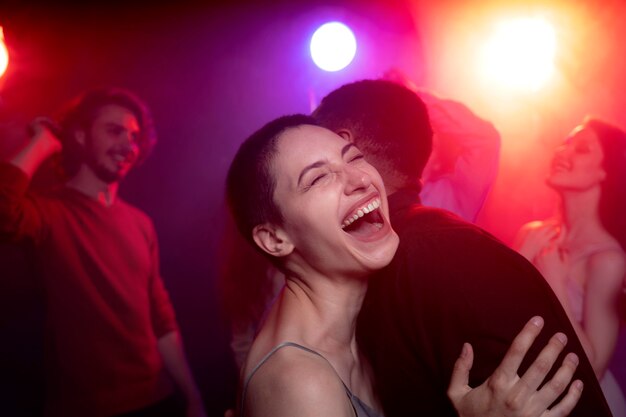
(103, 173)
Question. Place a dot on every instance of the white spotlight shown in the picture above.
(333, 46)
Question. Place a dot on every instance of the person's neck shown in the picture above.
(327, 310)
(89, 184)
(580, 214)
(320, 313)
(393, 184)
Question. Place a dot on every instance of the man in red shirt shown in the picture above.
(112, 341)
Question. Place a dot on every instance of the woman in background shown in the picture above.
(580, 252)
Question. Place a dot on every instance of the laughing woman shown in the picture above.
(581, 251)
(309, 201)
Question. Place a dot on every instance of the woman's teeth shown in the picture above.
(361, 212)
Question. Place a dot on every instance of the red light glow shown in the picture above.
(4, 54)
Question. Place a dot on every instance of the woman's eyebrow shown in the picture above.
(308, 168)
(346, 148)
(318, 164)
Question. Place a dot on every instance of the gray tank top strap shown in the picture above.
(263, 360)
(360, 408)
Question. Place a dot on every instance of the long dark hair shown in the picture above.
(612, 206)
(613, 196)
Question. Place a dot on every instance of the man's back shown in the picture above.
(450, 282)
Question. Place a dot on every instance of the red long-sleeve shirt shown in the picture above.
(106, 305)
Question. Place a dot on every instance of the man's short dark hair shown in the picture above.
(387, 119)
(249, 183)
(82, 111)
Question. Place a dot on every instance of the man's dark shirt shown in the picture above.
(451, 282)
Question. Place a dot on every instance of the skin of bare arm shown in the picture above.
(43, 144)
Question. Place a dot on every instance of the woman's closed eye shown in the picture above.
(317, 179)
(356, 157)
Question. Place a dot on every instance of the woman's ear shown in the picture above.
(272, 240)
(346, 134)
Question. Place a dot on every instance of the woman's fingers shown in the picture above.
(557, 385)
(567, 404)
(459, 382)
(545, 234)
(522, 342)
(538, 370)
(526, 388)
(505, 393)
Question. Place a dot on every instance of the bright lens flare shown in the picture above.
(333, 46)
(4, 54)
(520, 55)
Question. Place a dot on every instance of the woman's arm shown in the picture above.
(603, 282)
(600, 326)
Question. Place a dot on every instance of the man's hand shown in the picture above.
(43, 133)
(43, 143)
(507, 394)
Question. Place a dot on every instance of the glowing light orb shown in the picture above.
(333, 46)
(520, 55)
(4, 54)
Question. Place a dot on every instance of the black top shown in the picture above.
(451, 282)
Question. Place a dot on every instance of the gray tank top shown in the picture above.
(360, 408)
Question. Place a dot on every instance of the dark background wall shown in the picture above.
(214, 72)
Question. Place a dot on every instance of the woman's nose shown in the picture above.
(357, 179)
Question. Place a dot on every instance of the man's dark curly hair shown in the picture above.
(82, 111)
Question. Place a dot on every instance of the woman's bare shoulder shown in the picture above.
(609, 259)
(294, 381)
